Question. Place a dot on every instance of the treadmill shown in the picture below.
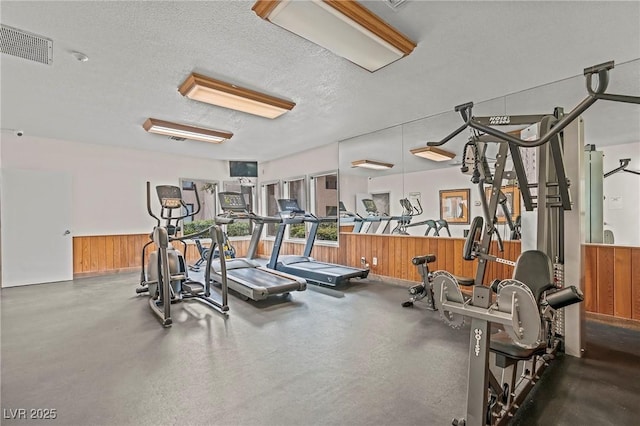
(350, 218)
(245, 275)
(373, 215)
(305, 266)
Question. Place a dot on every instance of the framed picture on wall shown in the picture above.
(512, 193)
(454, 206)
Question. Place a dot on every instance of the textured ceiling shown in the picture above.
(141, 51)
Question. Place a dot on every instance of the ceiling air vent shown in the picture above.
(394, 4)
(177, 138)
(26, 45)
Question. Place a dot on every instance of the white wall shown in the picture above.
(317, 160)
(322, 159)
(108, 182)
(391, 184)
(622, 194)
(350, 185)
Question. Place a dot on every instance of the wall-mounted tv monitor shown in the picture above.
(243, 168)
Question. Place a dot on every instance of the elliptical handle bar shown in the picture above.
(199, 206)
(195, 212)
(149, 204)
(602, 70)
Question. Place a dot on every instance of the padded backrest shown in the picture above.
(534, 269)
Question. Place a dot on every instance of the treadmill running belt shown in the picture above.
(261, 278)
(324, 268)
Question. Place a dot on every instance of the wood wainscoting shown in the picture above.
(320, 252)
(102, 254)
(394, 254)
(612, 280)
(612, 273)
(97, 254)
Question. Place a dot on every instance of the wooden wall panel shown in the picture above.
(77, 254)
(109, 244)
(590, 279)
(605, 281)
(622, 283)
(612, 274)
(124, 252)
(404, 259)
(635, 282)
(458, 260)
(86, 254)
(383, 258)
(322, 253)
(440, 254)
(93, 259)
(400, 249)
(612, 281)
(102, 253)
(396, 255)
(111, 253)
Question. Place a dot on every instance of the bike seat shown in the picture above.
(465, 281)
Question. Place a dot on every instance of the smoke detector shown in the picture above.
(394, 4)
(26, 45)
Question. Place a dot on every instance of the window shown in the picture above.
(324, 200)
(207, 192)
(296, 188)
(331, 182)
(270, 194)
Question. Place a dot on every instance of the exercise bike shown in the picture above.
(228, 250)
(166, 279)
(424, 290)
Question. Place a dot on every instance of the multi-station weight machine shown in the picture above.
(526, 307)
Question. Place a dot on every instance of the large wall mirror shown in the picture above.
(430, 186)
(371, 178)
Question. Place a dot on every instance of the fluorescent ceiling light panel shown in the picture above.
(371, 164)
(433, 153)
(226, 95)
(342, 26)
(168, 128)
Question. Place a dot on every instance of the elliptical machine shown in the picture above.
(408, 212)
(166, 279)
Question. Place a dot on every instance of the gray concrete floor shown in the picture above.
(92, 350)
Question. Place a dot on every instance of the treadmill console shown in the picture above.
(232, 202)
(289, 205)
(370, 206)
(170, 196)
